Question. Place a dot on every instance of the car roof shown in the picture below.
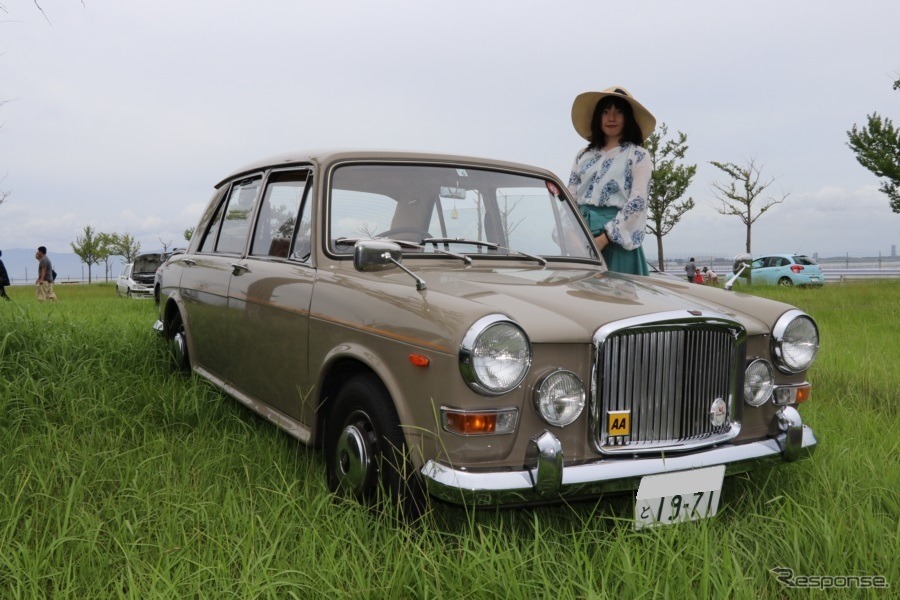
(790, 255)
(329, 156)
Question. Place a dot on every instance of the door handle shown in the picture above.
(239, 269)
(189, 262)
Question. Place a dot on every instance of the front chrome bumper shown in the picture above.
(544, 479)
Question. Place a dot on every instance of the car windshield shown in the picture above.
(435, 209)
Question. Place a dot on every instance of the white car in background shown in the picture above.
(136, 279)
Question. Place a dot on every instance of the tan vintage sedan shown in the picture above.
(444, 327)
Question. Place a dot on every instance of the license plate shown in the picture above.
(677, 497)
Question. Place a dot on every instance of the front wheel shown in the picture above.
(365, 452)
(785, 282)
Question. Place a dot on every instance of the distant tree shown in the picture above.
(188, 233)
(89, 248)
(106, 242)
(877, 148)
(667, 185)
(126, 247)
(165, 245)
(738, 195)
(4, 194)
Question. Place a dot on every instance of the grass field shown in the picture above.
(122, 479)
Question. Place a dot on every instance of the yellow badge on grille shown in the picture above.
(619, 422)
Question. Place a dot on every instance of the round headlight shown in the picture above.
(494, 356)
(559, 398)
(795, 341)
(759, 381)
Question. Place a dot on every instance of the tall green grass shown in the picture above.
(123, 479)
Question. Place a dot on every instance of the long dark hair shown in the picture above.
(630, 133)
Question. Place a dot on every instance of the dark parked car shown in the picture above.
(444, 326)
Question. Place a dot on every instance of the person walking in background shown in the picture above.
(610, 179)
(45, 276)
(4, 278)
(690, 269)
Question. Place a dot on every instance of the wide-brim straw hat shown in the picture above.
(584, 105)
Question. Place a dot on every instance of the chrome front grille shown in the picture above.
(665, 377)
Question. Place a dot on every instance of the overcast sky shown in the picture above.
(123, 115)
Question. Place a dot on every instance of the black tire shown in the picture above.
(128, 293)
(785, 282)
(365, 450)
(178, 344)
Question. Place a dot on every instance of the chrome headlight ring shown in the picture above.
(759, 382)
(795, 341)
(559, 397)
(495, 355)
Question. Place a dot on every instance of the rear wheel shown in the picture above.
(178, 344)
(785, 281)
(366, 455)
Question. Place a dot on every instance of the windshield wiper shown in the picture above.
(540, 259)
(404, 244)
(448, 240)
(488, 245)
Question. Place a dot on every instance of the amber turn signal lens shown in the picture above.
(478, 423)
(471, 423)
(419, 360)
(803, 393)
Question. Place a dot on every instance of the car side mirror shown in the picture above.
(375, 255)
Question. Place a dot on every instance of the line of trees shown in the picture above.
(93, 247)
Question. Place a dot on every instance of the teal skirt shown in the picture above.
(617, 258)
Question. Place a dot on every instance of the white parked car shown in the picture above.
(136, 279)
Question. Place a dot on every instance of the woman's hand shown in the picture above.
(602, 241)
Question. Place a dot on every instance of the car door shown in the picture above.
(763, 272)
(122, 281)
(269, 297)
(207, 275)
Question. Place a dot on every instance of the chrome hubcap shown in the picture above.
(353, 459)
(179, 349)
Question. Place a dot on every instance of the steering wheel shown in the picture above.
(395, 230)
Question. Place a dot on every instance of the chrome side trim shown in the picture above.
(604, 475)
(286, 423)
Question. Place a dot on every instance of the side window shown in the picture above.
(236, 219)
(278, 214)
(212, 230)
(303, 241)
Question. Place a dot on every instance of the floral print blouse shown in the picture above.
(618, 178)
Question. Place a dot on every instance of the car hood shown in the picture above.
(570, 304)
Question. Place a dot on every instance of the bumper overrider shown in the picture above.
(544, 479)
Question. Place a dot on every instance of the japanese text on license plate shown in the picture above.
(677, 497)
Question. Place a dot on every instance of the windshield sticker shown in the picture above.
(462, 173)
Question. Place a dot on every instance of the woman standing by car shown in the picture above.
(610, 179)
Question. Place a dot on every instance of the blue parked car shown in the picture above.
(787, 269)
